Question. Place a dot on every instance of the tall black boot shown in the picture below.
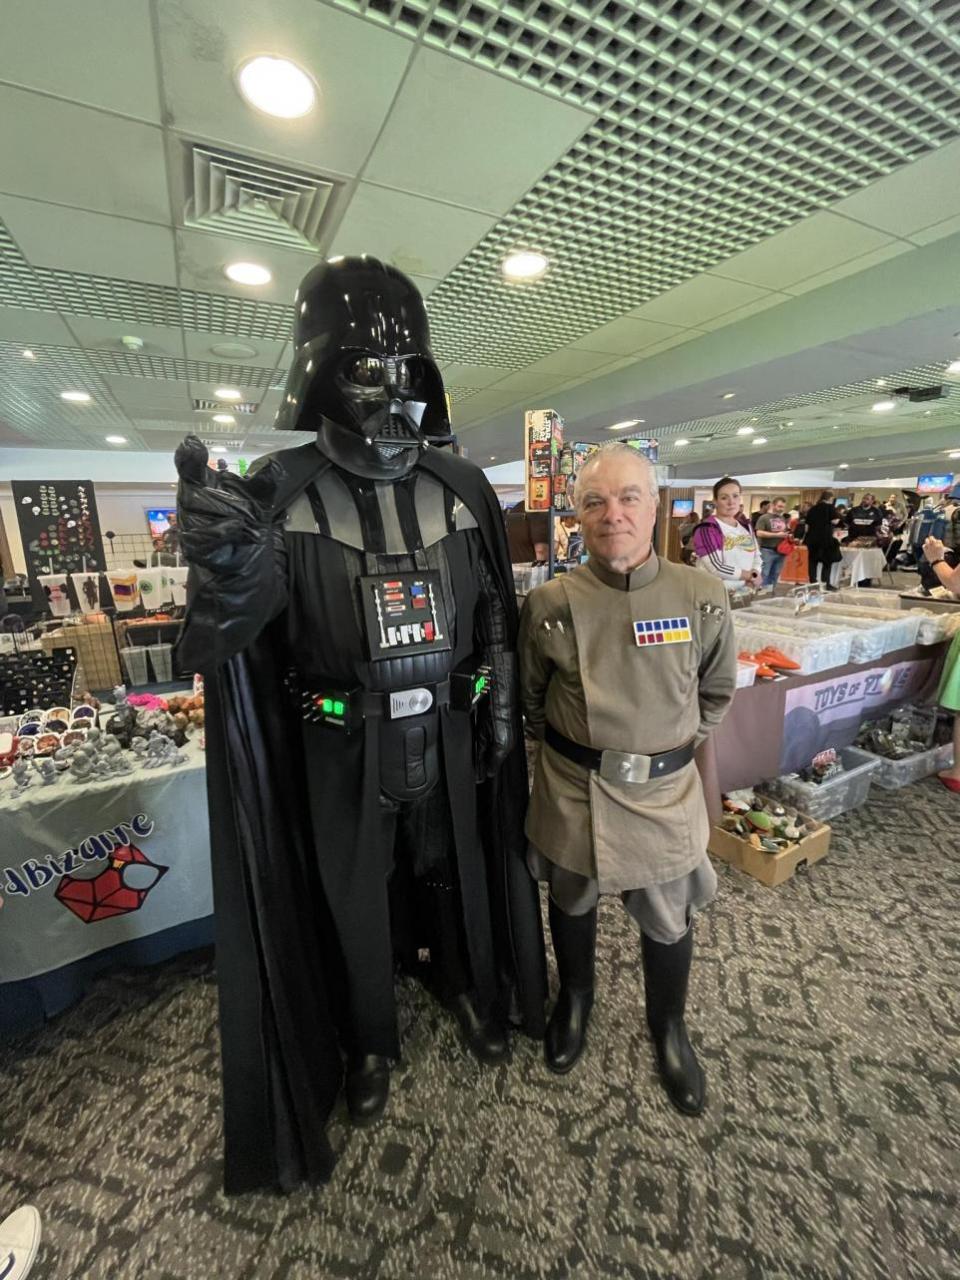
(574, 945)
(368, 1087)
(666, 971)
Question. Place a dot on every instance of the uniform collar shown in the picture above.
(642, 576)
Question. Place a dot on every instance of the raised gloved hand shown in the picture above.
(219, 512)
(497, 720)
(231, 536)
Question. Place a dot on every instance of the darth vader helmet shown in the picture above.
(363, 374)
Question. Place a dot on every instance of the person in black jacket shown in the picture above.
(821, 545)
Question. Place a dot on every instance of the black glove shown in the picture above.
(497, 719)
(217, 511)
(232, 539)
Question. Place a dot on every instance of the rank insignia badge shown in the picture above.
(663, 631)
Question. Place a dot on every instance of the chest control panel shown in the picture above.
(404, 614)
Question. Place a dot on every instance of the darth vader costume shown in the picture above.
(351, 607)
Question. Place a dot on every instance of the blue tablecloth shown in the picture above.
(94, 876)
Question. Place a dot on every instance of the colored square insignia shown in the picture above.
(662, 631)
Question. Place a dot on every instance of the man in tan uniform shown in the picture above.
(626, 665)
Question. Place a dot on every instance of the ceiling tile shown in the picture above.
(72, 240)
(817, 243)
(748, 309)
(81, 158)
(938, 231)
(456, 373)
(97, 334)
(454, 157)
(916, 195)
(419, 236)
(625, 337)
(72, 52)
(863, 263)
(357, 66)
(202, 258)
(41, 328)
(200, 347)
(699, 299)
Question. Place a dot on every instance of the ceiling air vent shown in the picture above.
(221, 442)
(236, 196)
(224, 406)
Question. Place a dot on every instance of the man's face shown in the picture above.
(617, 512)
(868, 499)
(779, 507)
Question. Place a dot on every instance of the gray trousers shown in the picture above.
(662, 911)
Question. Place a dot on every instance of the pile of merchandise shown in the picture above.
(94, 741)
(766, 824)
(907, 732)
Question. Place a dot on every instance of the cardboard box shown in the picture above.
(769, 868)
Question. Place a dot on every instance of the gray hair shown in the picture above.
(615, 449)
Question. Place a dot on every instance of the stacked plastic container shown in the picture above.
(161, 659)
(872, 637)
(135, 663)
(814, 646)
(894, 774)
(826, 800)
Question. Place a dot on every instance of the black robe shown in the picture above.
(280, 972)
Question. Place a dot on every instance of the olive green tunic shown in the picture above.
(582, 670)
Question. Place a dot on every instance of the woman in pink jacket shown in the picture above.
(725, 543)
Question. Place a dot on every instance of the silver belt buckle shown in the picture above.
(622, 766)
(410, 702)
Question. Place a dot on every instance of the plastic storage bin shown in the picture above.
(815, 646)
(161, 659)
(894, 774)
(899, 628)
(868, 640)
(746, 674)
(135, 663)
(825, 800)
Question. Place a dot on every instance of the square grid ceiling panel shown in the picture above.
(719, 125)
(813, 418)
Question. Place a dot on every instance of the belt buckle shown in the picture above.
(622, 766)
(409, 702)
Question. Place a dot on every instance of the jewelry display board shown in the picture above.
(60, 532)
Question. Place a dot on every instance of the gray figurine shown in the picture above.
(21, 774)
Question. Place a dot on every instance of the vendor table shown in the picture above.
(777, 727)
(857, 564)
(96, 875)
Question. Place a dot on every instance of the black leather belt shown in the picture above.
(619, 766)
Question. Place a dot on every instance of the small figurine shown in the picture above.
(47, 771)
(21, 774)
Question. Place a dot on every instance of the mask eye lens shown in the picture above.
(365, 371)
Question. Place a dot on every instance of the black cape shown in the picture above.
(281, 979)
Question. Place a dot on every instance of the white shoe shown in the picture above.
(19, 1241)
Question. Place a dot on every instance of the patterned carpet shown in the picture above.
(827, 1013)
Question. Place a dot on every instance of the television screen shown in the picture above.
(158, 518)
(682, 507)
(934, 484)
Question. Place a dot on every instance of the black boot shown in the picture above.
(666, 971)
(483, 1036)
(574, 944)
(368, 1087)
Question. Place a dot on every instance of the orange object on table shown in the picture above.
(796, 567)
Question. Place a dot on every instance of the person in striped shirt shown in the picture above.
(725, 542)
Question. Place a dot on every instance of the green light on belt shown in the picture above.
(327, 706)
(338, 708)
(480, 684)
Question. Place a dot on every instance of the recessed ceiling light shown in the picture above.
(75, 397)
(728, 395)
(226, 418)
(680, 443)
(927, 413)
(871, 459)
(524, 266)
(884, 406)
(115, 439)
(622, 426)
(218, 448)
(759, 440)
(953, 366)
(28, 354)
(789, 422)
(844, 466)
(954, 454)
(744, 431)
(228, 393)
(247, 273)
(881, 382)
(493, 457)
(277, 86)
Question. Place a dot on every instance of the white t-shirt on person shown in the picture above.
(739, 550)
